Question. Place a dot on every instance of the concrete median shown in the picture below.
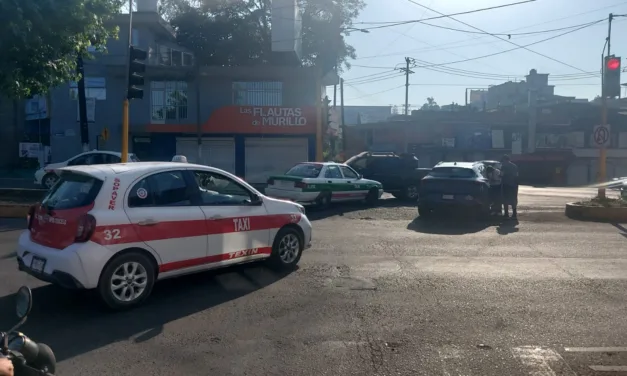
(596, 213)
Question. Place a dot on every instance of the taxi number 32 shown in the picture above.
(112, 234)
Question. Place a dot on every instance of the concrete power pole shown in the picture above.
(408, 60)
(533, 118)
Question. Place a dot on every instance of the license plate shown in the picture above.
(448, 197)
(38, 264)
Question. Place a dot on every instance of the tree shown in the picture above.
(236, 33)
(431, 105)
(41, 40)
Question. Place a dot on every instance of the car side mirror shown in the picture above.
(360, 176)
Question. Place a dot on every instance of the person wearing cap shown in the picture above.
(179, 158)
(509, 180)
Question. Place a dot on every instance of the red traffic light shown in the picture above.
(613, 64)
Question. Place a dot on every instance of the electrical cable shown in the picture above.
(379, 92)
(488, 55)
(509, 35)
(392, 24)
(505, 40)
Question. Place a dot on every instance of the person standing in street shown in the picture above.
(494, 178)
(509, 180)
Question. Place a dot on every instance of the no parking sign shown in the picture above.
(601, 135)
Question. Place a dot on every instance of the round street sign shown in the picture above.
(601, 135)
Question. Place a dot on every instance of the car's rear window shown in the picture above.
(72, 191)
(453, 172)
(305, 170)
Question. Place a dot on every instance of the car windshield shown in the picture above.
(305, 170)
(72, 191)
(453, 172)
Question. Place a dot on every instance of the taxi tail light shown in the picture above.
(85, 229)
(31, 215)
(270, 181)
(300, 184)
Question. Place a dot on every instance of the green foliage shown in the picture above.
(238, 33)
(41, 39)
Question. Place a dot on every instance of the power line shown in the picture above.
(505, 40)
(455, 44)
(489, 55)
(509, 35)
(379, 92)
(480, 85)
(392, 24)
(384, 78)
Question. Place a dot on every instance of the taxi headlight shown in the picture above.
(301, 208)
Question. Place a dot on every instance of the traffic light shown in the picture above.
(136, 68)
(611, 76)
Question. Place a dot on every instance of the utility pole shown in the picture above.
(602, 150)
(82, 104)
(408, 60)
(342, 125)
(125, 104)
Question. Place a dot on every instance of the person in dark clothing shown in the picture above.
(509, 179)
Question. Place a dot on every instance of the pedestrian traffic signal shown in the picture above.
(136, 68)
(611, 76)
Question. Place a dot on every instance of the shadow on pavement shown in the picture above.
(339, 209)
(507, 227)
(621, 228)
(460, 224)
(451, 225)
(73, 323)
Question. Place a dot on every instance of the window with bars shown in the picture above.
(163, 55)
(168, 101)
(266, 93)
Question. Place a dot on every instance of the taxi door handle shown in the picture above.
(148, 222)
(216, 217)
(329, 181)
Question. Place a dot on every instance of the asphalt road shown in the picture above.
(380, 293)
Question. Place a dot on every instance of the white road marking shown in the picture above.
(609, 368)
(542, 361)
(595, 349)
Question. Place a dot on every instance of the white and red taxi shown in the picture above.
(120, 227)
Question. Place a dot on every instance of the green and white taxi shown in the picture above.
(323, 183)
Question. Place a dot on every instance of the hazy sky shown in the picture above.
(368, 82)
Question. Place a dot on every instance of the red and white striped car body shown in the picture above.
(99, 213)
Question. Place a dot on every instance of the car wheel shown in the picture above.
(411, 192)
(372, 197)
(286, 249)
(424, 212)
(127, 281)
(324, 200)
(49, 180)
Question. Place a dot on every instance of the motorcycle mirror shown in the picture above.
(23, 302)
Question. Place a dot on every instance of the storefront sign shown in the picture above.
(251, 120)
(275, 116)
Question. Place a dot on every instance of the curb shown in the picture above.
(14, 210)
(596, 213)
